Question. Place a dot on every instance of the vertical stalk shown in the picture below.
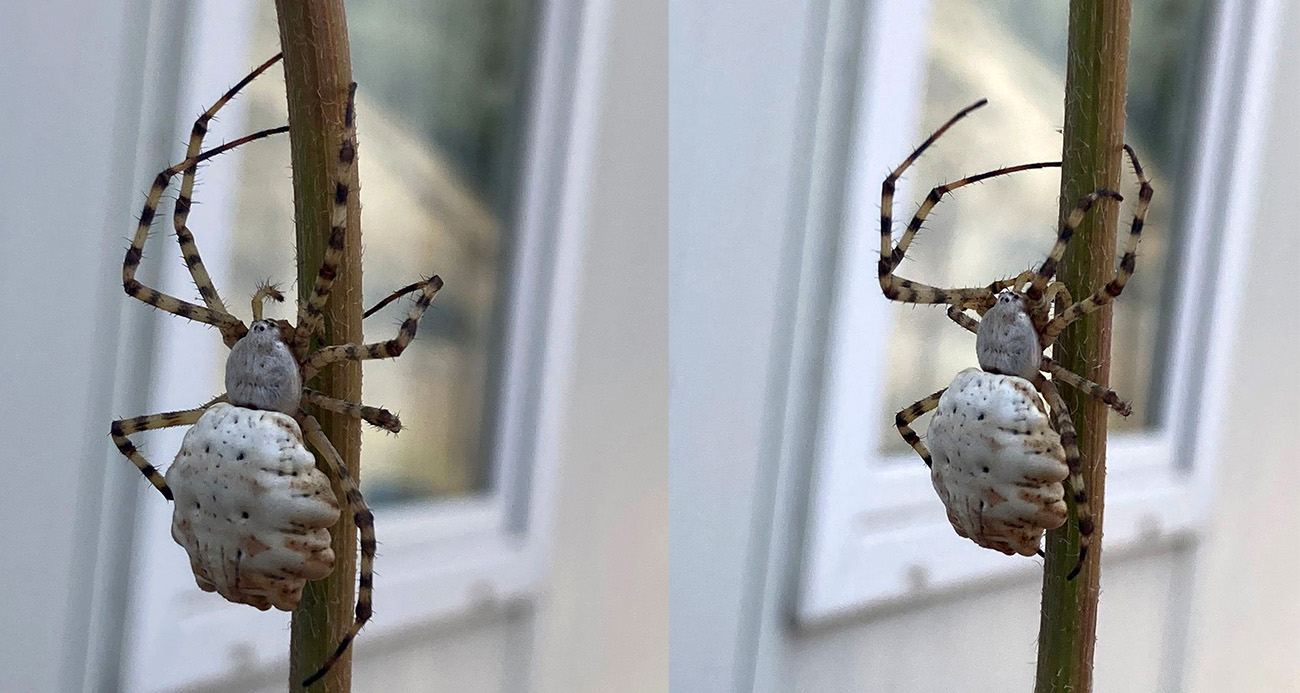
(318, 69)
(1095, 90)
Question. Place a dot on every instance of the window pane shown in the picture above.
(440, 104)
(1013, 53)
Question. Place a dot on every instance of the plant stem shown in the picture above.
(318, 70)
(1095, 90)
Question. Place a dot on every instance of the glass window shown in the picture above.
(440, 119)
(1013, 53)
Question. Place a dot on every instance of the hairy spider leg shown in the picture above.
(1107, 396)
(375, 416)
(960, 317)
(1001, 285)
(125, 427)
(378, 350)
(231, 327)
(311, 313)
(408, 289)
(1064, 425)
(1058, 294)
(905, 417)
(189, 250)
(897, 288)
(215, 312)
(365, 522)
(1047, 270)
(1127, 263)
(936, 196)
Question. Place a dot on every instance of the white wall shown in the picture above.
(602, 625)
(985, 641)
(1246, 611)
(71, 74)
(735, 109)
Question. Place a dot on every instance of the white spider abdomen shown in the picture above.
(996, 462)
(251, 509)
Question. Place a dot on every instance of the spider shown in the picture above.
(270, 360)
(1017, 321)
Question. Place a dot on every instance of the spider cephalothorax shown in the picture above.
(1006, 341)
(251, 509)
(1019, 319)
(261, 372)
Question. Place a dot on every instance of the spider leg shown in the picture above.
(189, 250)
(365, 521)
(379, 350)
(311, 311)
(231, 327)
(1057, 291)
(1108, 396)
(375, 416)
(1048, 269)
(897, 288)
(409, 288)
(1040, 311)
(912, 413)
(936, 195)
(125, 427)
(1127, 263)
(1057, 371)
(1064, 426)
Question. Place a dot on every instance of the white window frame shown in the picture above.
(438, 560)
(876, 534)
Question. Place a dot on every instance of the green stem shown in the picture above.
(318, 69)
(1095, 90)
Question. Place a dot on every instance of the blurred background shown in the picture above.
(513, 147)
(808, 547)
